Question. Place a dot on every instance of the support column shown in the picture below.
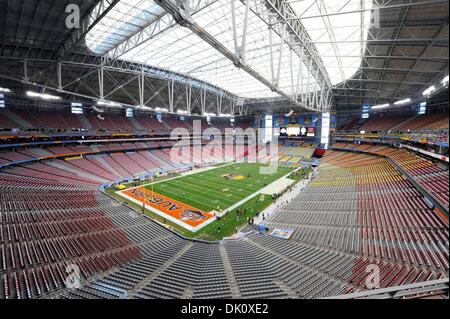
(280, 57)
(141, 82)
(100, 82)
(321, 106)
(203, 100)
(219, 104)
(25, 71)
(59, 75)
(188, 98)
(170, 88)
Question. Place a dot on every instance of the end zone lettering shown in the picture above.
(247, 309)
(182, 214)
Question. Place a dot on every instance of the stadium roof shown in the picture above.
(349, 53)
(178, 49)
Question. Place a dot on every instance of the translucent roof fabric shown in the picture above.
(179, 50)
(339, 29)
(182, 51)
(125, 18)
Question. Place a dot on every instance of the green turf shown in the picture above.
(230, 222)
(209, 190)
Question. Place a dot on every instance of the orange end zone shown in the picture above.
(184, 215)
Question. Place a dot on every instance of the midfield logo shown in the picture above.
(235, 177)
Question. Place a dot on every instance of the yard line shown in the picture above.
(184, 175)
(249, 169)
(218, 191)
(207, 190)
(259, 184)
(200, 183)
(233, 187)
(243, 186)
(203, 180)
(203, 202)
(178, 193)
(201, 194)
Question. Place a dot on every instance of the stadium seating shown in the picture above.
(243, 150)
(382, 124)
(433, 177)
(93, 123)
(361, 205)
(358, 211)
(435, 121)
(46, 226)
(44, 231)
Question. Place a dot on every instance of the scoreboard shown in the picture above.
(295, 131)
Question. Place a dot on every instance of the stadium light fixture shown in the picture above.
(108, 103)
(444, 81)
(380, 106)
(159, 109)
(5, 90)
(225, 115)
(182, 112)
(363, 132)
(428, 91)
(209, 114)
(405, 101)
(43, 96)
(143, 107)
(129, 112)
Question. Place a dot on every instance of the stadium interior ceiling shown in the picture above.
(353, 54)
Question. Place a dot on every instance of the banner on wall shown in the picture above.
(282, 233)
(304, 120)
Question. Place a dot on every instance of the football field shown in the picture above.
(219, 188)
(197, 200)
